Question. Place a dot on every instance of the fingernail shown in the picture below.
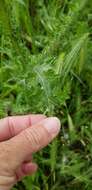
(52, 125)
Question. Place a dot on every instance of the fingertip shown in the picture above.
(52, 125)
(30, 168)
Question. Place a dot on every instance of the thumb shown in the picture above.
(33, 139)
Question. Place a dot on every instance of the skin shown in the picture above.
(20, 137)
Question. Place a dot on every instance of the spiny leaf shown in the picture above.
(45, 85)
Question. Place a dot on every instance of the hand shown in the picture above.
(20, 136)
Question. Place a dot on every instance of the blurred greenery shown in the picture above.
(46, 67)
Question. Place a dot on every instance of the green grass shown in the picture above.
(46, 67)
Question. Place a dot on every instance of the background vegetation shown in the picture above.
(46, 67)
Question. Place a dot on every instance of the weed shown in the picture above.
(46, 67)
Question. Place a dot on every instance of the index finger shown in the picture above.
(11, 126)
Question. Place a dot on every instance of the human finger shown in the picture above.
(26, 169)
(11, 126)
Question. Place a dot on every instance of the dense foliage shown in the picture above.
(46, 67)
